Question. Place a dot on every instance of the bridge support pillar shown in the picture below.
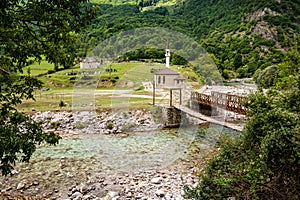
(171, 116)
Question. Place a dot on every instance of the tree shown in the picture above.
(266, 78)
(29, 30)
(238, 61)
(178, 60)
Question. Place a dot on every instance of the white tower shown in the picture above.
(168, 54)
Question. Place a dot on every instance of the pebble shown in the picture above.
(113, 194)
(77, 195)
(156, 180)
(160, 193)
(87, 197)
(70, 175)
(20, 186)
(35, 183)
(147, 185)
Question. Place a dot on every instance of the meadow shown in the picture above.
(60, 86)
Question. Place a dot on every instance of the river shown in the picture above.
(135, 165)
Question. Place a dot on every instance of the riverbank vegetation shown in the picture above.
(264, 162)
(29, 30)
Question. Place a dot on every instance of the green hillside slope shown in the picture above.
(241, 36)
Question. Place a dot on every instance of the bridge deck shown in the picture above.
(208, 119)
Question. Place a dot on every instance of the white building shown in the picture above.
(166, 77)
(89, 63)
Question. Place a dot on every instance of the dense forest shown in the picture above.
(241, 36)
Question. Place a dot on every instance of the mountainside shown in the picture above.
(245, 35)
(241, 36)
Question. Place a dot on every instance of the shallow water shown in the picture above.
(139, 150)
(116, 162)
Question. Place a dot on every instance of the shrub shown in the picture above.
(264, 162)
(80, 126)
(55, 125)
(61, 104)
(110, 125)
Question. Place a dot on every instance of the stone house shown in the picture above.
(168, 78)
(89, 63)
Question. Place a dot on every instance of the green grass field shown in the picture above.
(51, 101)
(38, 68)
(124, 76)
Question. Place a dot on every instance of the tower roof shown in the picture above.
(166, 71)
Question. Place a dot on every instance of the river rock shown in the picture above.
(88, 197)
(92, 122)
(113, 194)
(87, 181)
(70, 175)
(157, 180)
(77, 195)
(20, 186)
(82, 188)
(160, 193)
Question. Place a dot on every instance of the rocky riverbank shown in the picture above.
(82, 176)
(106, 122)
(77, 168)
(88, 179)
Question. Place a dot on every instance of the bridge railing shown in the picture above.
(221, 100)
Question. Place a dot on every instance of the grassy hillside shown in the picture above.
(58, 85)
(65, 78)
(241, 36)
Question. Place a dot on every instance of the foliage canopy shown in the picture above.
(242, 36)
(29, 30)
(264, 162)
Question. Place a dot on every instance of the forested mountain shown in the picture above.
(241, 36)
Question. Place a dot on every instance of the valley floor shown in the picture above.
(148, 163)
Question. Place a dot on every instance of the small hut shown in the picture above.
(89, 63)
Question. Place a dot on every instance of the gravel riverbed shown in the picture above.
(81, 167)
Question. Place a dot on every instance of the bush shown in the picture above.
(128, 126)
(51, 71)
(55, 125)
(264, 162)
(110, 125)
(266, 78)
(61, 104)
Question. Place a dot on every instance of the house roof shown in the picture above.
(166, 71)
(89, 60)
